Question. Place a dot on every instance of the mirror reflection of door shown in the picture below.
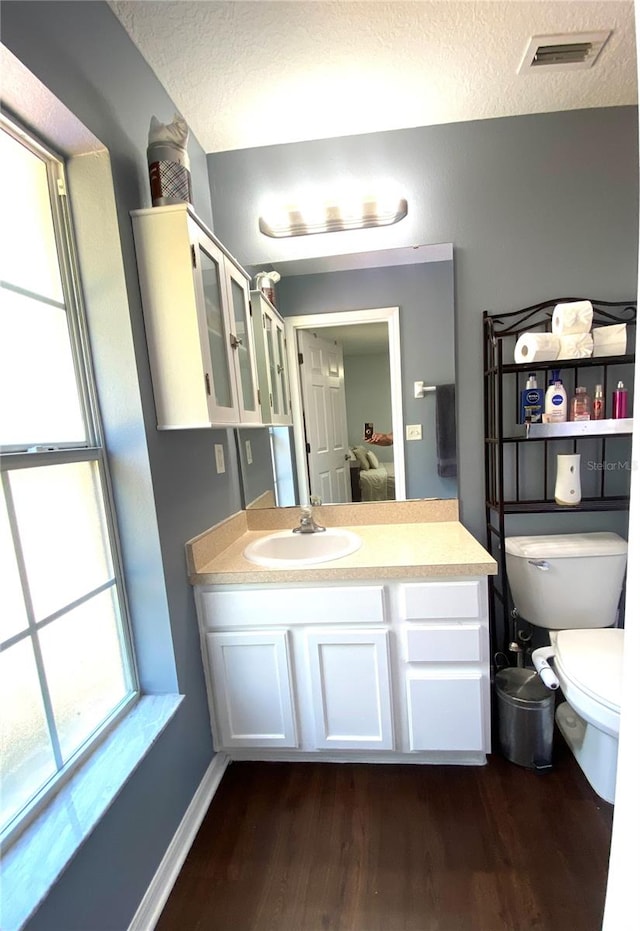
(325, 417)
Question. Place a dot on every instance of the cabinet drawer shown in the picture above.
(444, 643)
(293, 606)
(441, 600)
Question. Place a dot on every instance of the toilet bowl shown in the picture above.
(588, 664)
(570, 584)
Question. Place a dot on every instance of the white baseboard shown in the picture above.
(156, 896)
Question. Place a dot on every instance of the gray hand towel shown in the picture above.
(447, 454)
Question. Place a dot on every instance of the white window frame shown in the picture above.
(13, 459)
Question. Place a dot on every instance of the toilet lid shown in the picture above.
(592, 661)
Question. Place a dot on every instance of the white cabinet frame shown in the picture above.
(170, 244)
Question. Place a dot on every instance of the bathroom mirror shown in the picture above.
(348, 301)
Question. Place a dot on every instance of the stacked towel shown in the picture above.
(571, 337)
(576, 346)
(572, 318)
(610, 340)
(536, 347)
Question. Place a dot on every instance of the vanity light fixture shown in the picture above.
(332, 218)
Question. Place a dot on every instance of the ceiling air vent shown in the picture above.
(563, 52)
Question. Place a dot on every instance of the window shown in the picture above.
(66, 664)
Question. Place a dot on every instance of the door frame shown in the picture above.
(388, 315)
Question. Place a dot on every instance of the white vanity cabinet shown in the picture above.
(271, 361)
(198, 325)
(357, 670)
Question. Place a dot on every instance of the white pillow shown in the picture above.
(373, 459)
(361, 455)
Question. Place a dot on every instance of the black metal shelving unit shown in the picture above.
(520, 467)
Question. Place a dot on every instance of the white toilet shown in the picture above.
(570, 584)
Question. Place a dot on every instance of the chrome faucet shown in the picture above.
(307, 522)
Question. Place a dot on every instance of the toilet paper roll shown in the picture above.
(610, 340)
(576, 346)
(536, 347)
(575, 317)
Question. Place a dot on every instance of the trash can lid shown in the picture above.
(523, 686)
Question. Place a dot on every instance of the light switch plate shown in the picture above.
(219, 451)
(247, 449)
(414, 431)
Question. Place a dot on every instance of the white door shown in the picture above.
(252, 688)
(351, 689)
(325, 415)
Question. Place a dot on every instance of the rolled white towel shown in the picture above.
(576, 346)
(536, 347)
(610, 340)
(574, 317)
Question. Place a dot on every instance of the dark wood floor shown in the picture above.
(354, 847)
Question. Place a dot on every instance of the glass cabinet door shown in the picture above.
(281, 373)
(271, 347)
(219, 378)
(242, 346)
(275, 348)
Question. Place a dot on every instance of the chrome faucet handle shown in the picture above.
(307, 522)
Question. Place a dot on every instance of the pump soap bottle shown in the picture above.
(555, 402)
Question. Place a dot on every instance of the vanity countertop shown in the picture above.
(418, 539)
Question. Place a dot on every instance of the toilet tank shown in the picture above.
(566, 581)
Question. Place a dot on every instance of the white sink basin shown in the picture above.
(289, 550)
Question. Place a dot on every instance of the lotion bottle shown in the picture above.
(531, 401)
(555, 403)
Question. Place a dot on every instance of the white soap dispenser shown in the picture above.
(555, 402)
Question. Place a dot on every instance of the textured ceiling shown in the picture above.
(245, 74)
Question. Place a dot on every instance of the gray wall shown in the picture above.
(257, 475)
(424, 293)
(366, 385)
(537, 207)
(80, 51)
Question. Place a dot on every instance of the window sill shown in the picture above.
(35, 861)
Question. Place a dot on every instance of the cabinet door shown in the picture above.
(277, 366)
(242, 346)
(251, 683)
(446, 711)
(218, 361)
(351, 689)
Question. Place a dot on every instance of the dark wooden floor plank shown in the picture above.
(354, 847)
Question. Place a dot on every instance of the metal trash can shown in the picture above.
(525, 718)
